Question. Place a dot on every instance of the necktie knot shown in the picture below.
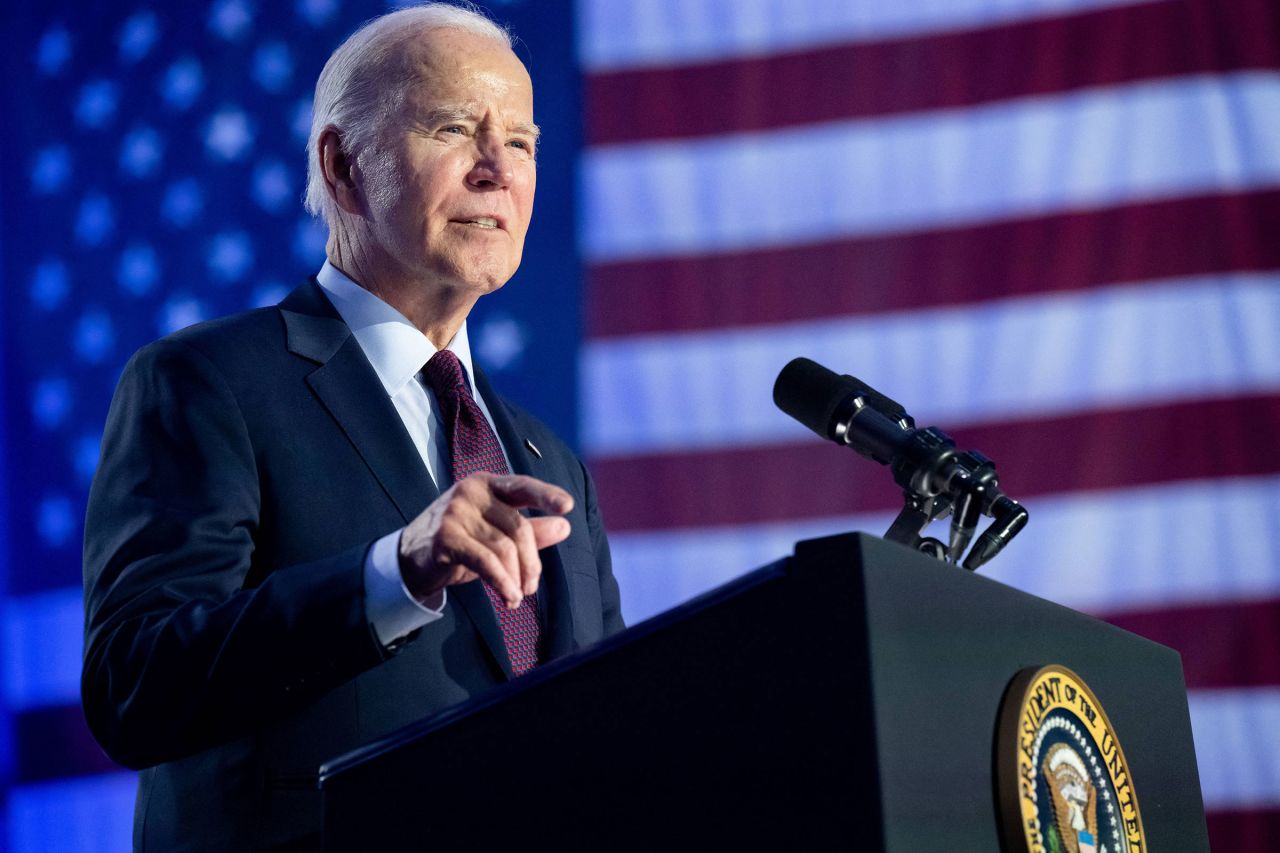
(444, 373)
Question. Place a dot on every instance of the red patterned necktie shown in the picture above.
(474, 447)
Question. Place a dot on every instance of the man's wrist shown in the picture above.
(389, 606)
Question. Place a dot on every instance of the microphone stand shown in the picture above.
(936, 479)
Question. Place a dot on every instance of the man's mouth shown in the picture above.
(480, 222)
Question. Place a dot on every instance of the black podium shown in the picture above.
(845, 698)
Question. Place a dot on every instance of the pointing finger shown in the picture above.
(520, 491)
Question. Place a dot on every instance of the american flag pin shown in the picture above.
(533, 447)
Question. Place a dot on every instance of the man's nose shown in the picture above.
(494, 167)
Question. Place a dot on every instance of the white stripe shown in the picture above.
(43, 642)
(87, 815)
(1237, 747)
(1127, 345)
(1127, 549)
(614, 35)
(1022, 157)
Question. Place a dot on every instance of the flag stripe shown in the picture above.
(1124, 550)
(1217, 233)
(1235, 741)
(1218, 642)
(1138, 344)
(1071, 452)
(616, 35)
(1025, 157)
(1243, 829)
(952, 69)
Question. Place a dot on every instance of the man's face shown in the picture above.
(450, 184)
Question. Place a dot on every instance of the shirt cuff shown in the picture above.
(390, 608)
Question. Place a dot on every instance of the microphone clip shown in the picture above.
(937, 479)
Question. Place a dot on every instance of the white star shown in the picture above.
(137, 36)
(140, 152)
(51, 401)
(138, 269)
(272, 66)
(51, 169)
(300, 123)
(230, 18)
(53, 50)
(271, 186)
(229, 134)
(309, 238)
(178, 313)
(229, 256)
(96, 104)
(268, 294)
(94, 336)
(49, 284)
(55, 521)
(316, 12)
(85, 455)
(182, 83)
(501, 342)
(183, 201)
(96, 219)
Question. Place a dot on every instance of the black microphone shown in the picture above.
(925, 462)
(843, 409)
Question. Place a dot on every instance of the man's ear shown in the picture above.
(339, 172)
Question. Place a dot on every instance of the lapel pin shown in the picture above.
(533, 447)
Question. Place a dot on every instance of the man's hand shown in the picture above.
(475, 530)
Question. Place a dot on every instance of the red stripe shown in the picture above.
(1244, 831)
(1222, 645)
(1096, 450)
(1069, 251)
(947, 70)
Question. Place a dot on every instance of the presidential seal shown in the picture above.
(1063, 782)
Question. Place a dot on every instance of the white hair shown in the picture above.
(356, 94)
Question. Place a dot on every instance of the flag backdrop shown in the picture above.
(1051, 227)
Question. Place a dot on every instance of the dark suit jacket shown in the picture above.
(247, 466)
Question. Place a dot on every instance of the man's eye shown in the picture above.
(454, 128)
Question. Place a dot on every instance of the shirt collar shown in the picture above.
(393, 345)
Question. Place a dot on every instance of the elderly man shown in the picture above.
(315, 523)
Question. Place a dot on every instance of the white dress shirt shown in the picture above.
(398, 351)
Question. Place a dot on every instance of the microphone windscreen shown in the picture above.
(811, 393)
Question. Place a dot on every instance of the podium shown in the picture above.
(845, 698)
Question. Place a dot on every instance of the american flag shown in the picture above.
(1047, 226)
(1051, 227)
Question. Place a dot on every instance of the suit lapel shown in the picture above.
(553, 602)
(349, 388)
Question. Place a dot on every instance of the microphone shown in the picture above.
(924, 462)
(842, 409)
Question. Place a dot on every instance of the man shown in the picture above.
(299, 539)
